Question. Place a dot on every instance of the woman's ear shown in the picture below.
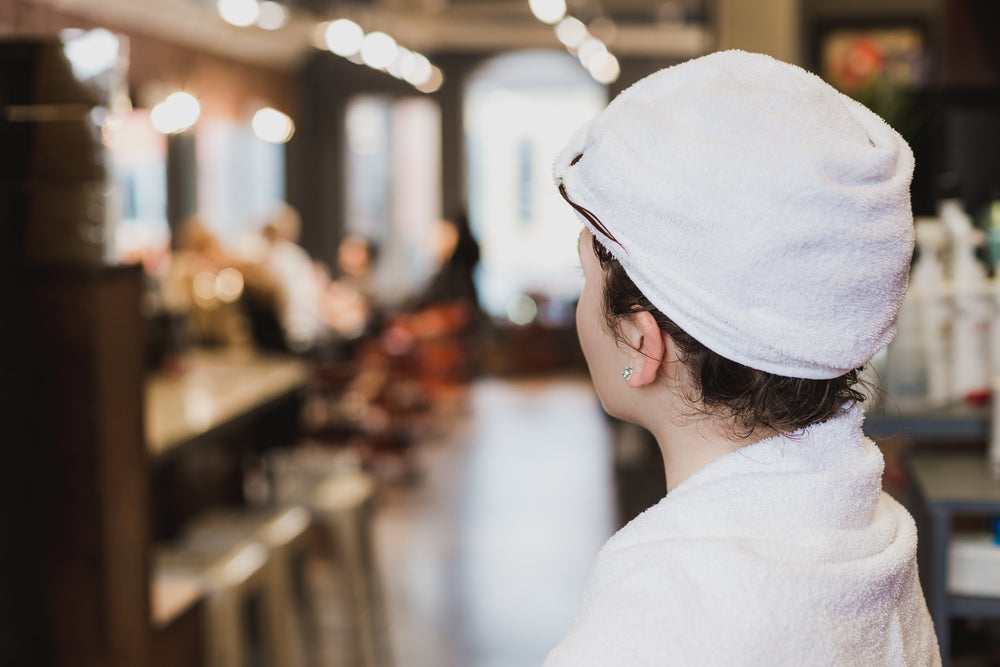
(646, 340)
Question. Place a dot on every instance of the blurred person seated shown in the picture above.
(356, 260)
(348, 302)
(319, 315)
(219, 294)
(458, 256)
(299, 281)
(437, 335)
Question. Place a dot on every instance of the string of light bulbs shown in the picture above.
(343, 37)
(380, 51)
(180, 111)
(592, 52)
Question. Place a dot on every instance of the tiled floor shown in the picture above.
(483, 559)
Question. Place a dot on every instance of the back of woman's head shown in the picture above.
(762, 217)
(747, 398)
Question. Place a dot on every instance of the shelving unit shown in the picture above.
(946, 485)
(928, 424)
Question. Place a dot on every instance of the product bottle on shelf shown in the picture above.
(989, 221)
(906, 357)
(930, 297)
(972, 299)
(993, 452)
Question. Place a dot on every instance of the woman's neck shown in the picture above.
(690, 441)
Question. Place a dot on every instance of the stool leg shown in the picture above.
(309, 622)
(350, 527)
(279, 616)
(225, 644)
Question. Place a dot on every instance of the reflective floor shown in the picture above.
(483, 558)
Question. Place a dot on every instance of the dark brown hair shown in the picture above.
(751, 398)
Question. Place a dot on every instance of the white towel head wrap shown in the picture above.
(764, 212)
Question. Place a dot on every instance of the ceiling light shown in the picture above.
(395, 68)
(418, 71)
(433, 83)
(378, 50)
(273, 16)
(241, 13)
(175, 114)
(548, 11)
(272, 126)
(344, 37)
(571, 32)
(90, 53)
(591, 51)
(407, 64)
(605, 70)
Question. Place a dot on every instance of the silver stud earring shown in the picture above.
(627, 373)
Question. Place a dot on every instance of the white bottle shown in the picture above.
(929, 294)
(906, 357)
(972, 301)
(993, 453)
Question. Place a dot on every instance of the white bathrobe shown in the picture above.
(785, 552)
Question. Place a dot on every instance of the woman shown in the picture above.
(746, 246)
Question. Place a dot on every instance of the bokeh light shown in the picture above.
(605, 70)
(418, 71)
(433, 83)
(591, 51)
(240, 13)
(273, 16)
(90, 53)
(522, 310)
(378, 50)
(571, 32)
(344, 37)
(175, 114)
(272, 126)
(229, 285)
(548, 11)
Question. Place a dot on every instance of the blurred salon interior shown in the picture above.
(289, 369)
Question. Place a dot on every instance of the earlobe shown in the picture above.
(649, 349)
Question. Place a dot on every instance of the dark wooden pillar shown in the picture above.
(82, 345)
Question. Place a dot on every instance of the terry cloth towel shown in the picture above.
(764, 212)
(785, 552)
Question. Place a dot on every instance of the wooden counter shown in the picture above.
(216, 391)
(207, 424)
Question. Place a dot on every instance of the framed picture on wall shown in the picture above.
(853, 57)
(880, 63)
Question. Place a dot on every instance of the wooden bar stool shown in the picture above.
(289, 629)
(233, 580)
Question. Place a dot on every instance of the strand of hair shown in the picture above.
(593, 219)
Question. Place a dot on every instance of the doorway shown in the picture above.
(520, 109)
